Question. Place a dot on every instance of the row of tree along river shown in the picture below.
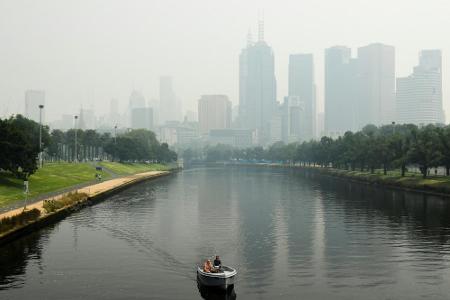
(388, 147)
(19, 146)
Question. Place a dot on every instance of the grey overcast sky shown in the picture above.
(85, 52)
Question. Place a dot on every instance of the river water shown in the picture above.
(290, 234)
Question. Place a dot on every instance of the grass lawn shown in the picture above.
(57, 176)
(440, 184)
(52, 177)
(132, 168)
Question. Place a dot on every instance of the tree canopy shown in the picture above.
(19, 146)
(387, 147)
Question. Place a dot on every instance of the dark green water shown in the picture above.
(290, 235)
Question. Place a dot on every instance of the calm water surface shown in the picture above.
(290, 235)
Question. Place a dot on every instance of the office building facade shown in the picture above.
(376, 82)
(302, 85)
(340, 91)
(257, 88)
(169, 106)
(214, 112)
(142, 118)
(419, 96)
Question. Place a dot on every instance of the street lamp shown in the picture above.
(40, 134)
(115, 134)
(115, 142)
(393, 127)
(76, 154)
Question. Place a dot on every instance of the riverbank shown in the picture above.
(94, 193)
(435, 185)
(60, 177)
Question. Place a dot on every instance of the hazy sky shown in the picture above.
(85, 52)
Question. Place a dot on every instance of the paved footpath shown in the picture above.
(91, 190)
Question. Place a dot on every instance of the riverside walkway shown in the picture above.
(92, 190)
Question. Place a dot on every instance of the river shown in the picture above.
(290, 235)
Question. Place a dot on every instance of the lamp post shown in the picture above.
(76, 154)
(115, 134)
(393, 127)
(115, 142)
(40, 134)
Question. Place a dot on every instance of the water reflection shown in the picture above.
(15, 257)
(290, 234)
(209, 293)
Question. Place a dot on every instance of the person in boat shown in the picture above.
(217, 263)
(207, 266)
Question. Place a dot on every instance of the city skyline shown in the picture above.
(98, 69)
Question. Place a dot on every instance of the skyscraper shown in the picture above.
(340, 90)
(301, 84)
(33, 99)
(169, 108)
(419, 96)
(376, 73)
(257, 87)
(293, 119)
(87, 119)
(142, 118)
(114, 116)
(214, 112)
(136, 100)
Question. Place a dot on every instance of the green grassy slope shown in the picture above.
(58, 176)
(438, 184)
(52, 177)
(131, 168)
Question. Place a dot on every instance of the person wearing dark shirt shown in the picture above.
(217, 262)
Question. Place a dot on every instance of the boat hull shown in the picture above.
(224, 279)
(215, 281)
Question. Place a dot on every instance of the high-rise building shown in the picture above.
(87, 119)
(301, 84)
(176, 133)
(419, 96)
(376, 75)
(33, 99)
(340, 90)
(294, 119)
(320, 125)
(142, 118)
(239, 138)
(191, 116)
(214, 112)
(276, 126)
(257, 88)
(114, 116)
(169, 107)
(136, 100)
(154, 104)
(65, 123)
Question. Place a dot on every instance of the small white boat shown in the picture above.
(224, 278)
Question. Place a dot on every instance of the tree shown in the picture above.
(219, 152)
(401, 142)
(18, 150)
(426, 148)
(57, 138)
(165, 154)
(444, 137)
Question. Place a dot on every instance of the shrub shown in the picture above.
(66, 200)
(25, 217)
